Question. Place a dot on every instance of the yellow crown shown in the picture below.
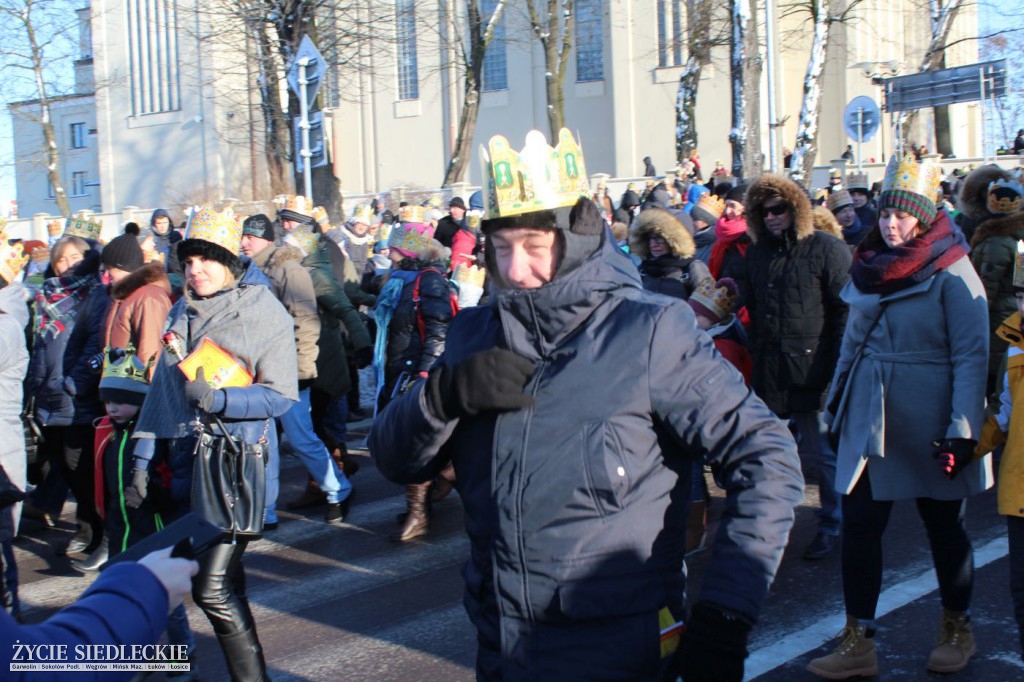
(537, 178)
(294, 203)
(858, 181)
(123, 364)
(363, 213)
(305, 238)
(54, 228)
(320, 217)
(711, 203)
(83, 226)
(411, 214)
(222, 228)
(12, 257)
(909, 175)
(435, 202)
(469, 274)
(838, 199)
(1005, 196)
(1018, 266)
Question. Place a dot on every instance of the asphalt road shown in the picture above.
(346, 603)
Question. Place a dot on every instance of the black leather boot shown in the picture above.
(244, 656)
(417, 519)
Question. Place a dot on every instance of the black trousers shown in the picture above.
(69, 451)
(1015, 535)
(864, 521)
(219, 588)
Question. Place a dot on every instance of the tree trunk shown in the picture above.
(810, 109)
(753, 161)
(60, 194)
(555, 36)
(554, 81)
(276, 136)
(686, 108)
(745, 74)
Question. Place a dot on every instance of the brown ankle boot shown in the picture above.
(955, 644)
(854, 657)
(417, 520)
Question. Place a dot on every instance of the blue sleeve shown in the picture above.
(87, 338)
(254, 402)
(126, 605)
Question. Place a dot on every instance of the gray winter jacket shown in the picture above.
(13, 363)
(576, 507)
(293, 286)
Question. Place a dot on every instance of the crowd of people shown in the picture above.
(746, 329)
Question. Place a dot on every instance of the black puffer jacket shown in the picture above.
(792, 295)
(408, 352)
(574, 507)
(672, 276)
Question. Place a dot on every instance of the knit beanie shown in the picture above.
(737, 193)
(714, 300)
(917, 205)
(123, 253)
(259, 225)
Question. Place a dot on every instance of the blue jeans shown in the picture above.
(178, 631)
(812, 441)
(311, 451)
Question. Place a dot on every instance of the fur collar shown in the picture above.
(825, 221)
(657, 221)
(151, 273)
(283, 254)
(763, 189)
(1003, 226)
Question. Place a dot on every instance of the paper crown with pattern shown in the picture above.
(222, 228)
(714, 300)
(910, 175)
(411, 214)
(12, 256)
(712, 204)
(411, 239)
(304, 237)
(294, 203)
(321, 219)
(538, 178)
(1005, 196)
(858, 181)
(1018, 267)
(839, 199)
(363, 213)
(84, 226)
(125, 378)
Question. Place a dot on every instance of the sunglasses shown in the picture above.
(778, 209)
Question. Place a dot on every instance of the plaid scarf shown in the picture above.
(57, 301)
(877, 269)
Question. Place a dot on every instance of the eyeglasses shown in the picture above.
(777, 209)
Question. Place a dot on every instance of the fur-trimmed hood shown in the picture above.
(825, 221)
(656, 221)
(974, 192)
(1002, 226)
(284, 253)
(150, 273)
(764, 188)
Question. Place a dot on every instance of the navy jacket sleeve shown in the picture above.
(436, 309)
(709, 409)
(126, 605)
(86, 340)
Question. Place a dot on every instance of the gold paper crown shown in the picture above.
(294, 203)
(124, 364)
(469, 274)
(304, 237)
(909, 175)
(54, 228)
(711, 203)
(435, 202)
(12, 257)
(362, 213)
(835, 173)
(858, 181)
(1018, 267)
(536, 179)
(718, 300)
(320, 217)
(83, 226)
(838, 199)
(222, 228)
(1005, 196)
(411, 214)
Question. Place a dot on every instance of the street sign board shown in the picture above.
(970, 83)
(861, 118)
(317, 149)
(307, 55)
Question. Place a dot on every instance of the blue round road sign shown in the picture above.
(861, 118)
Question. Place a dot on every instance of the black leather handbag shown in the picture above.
(229, 482)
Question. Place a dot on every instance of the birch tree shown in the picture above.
(552, 22)
(35, 41)
(745, 76)
(471, 54)
(704, 33)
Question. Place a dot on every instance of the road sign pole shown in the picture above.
(981, 109)
(860, 137)
(307, 171)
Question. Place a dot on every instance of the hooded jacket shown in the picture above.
(993, 252)
(676, 273)
(575, 507)
(293, 286)
(138, 309)
(793, 285)
(13, 364)
(165, 244)
(973, 200)
(1007, 425)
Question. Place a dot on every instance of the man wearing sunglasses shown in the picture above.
(797, 322)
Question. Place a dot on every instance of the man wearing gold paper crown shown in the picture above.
(572, 408)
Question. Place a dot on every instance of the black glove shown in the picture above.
(714, 646)
(954, 454)
(489, 380)
(200, 394)
(135, 492)
(363, 357)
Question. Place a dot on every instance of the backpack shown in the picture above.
(453, 300)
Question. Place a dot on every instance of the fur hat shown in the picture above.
(661, 223)
(714, 300)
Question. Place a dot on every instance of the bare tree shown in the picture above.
(552, 22)
(704, 32)
(35, 42)
(745, 76)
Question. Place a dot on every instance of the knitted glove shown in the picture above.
(954, 454)
(714, 646)
(489, 380)
(202, 395)
(136, 491)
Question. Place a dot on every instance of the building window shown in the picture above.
(495, 72)
(408, 72)
(152, 27)
(670, 32)
(78, 136)
(78, 184)
(589, 40)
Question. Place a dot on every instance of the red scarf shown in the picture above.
(727, 233)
